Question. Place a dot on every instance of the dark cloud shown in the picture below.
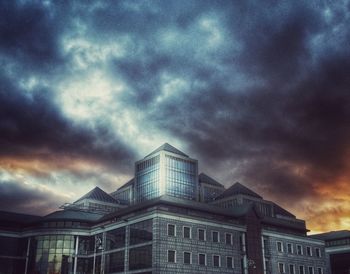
(32, 124)
(257, 91)
(17, 197)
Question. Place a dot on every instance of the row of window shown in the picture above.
(299, 249)
(202, 259)
(201, 234)
(302, 269)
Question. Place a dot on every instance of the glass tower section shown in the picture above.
(180, 176)
(147, 179)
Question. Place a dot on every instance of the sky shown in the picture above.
(257, 91)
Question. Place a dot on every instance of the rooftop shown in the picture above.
(169, 148)
(204, 178)
(236, 189)
(99, 195)
(332, 235)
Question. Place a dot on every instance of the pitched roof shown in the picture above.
(332, 235)
(238, 188)
(99, 195)
(204, 178)
(19, 218)
(281, 211)
(128, 183)
(168, 148)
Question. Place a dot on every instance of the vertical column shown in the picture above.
(126, 252)
(27, 256)
(103, 253)
(162, 174)
(76, 254)
(244, 249)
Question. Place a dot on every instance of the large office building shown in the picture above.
(168, 218)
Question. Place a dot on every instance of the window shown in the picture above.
(299, 250)
(171, 256)
(289, 248)
(308, 251)
(291, 269)
(187, 258)
(311, 270)
(301, 269)
(171, 230)
(228, 238)
(202, 260)
(318, 252)
(229, 262)
(140, 257)
(279, 247)
(319, 270)
(141, 232)
(281, 268)
(215, 236)
(216, 260)
(201, 234)
(187, 232)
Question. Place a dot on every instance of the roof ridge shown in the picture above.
(98, 194)
(169, 148)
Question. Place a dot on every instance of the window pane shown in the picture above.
(187, 232)
(171, 256)
(171, 230)
(229, 262)
(215, 236)
(201, 259)
(140, 257)
(187, 257)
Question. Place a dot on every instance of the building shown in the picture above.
(167, 219)
(337, 250)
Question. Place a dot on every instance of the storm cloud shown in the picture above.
(257, 92)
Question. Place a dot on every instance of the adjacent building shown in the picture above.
(166, 219)
(337, 250)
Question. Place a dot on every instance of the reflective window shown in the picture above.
(140, 257)
(115, 238)
(86, 245)
(301, 269)
(187, 258)
(141, 232)
(147, 179)
(289, 248)
(54, 253)
(281, 268)
(114, 262)
(180, 178)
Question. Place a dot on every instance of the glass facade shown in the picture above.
(141, 232)
(54, 254)
(147, 179)
(140, 257)
(180, 178)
